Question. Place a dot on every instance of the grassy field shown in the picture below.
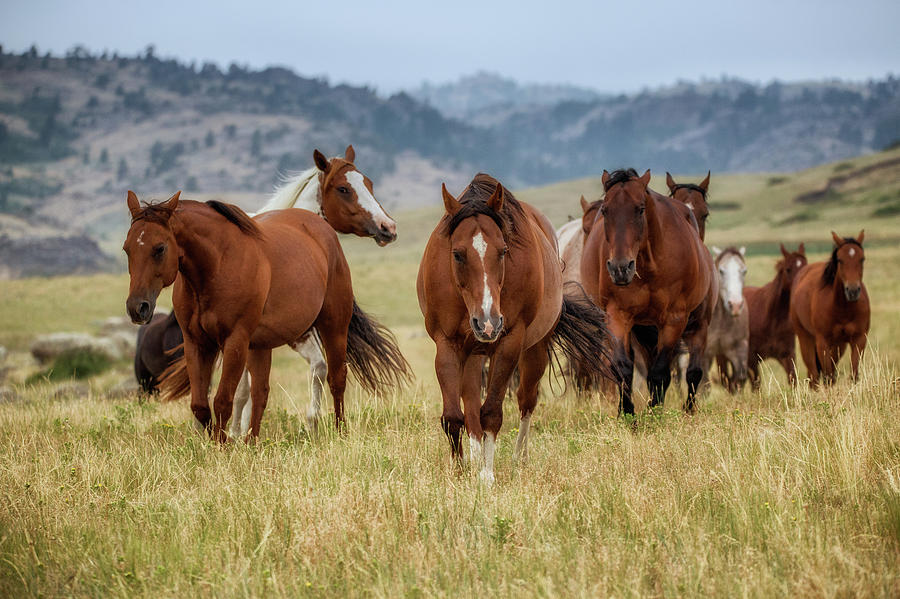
(783, 493)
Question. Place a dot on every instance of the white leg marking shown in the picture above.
(241, 401)
(522, 439)
(476, 452)
(309, 348)
(487, 473)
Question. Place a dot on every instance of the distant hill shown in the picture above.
(77, 131)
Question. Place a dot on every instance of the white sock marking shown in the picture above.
(487, 473)
(522, 439)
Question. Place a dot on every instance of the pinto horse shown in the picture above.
(244, 287)
(771, 332)
(647, 267)
(490, 285)
(830, 309)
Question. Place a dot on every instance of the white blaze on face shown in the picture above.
(480, 247)
(852, 252)
(140, 238)
(367, 200)
(799, 263)
(731, 276)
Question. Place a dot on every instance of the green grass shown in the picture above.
(783, 493)
(73, 364)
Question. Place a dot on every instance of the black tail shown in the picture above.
(373, 355)
(582, 337)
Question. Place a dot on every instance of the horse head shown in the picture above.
(152, 255)
(590, 211)
(790, 264)
(846, 264)
(348, 200)
(478, 251)
(625, 224)
(732, 271)
(692, 196)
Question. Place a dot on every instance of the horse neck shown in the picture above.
(302, 191)
(654, 235)
(780, 296)
(200, 244)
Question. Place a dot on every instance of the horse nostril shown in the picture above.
(475, 326)
(144, 310)
(631, 265)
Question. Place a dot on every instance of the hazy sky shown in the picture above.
(621, 46)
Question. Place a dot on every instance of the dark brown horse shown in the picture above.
(830, 309)
(243, 287)
(490, 285)
(158, 347)
(694, 197)
(647, 267)
(771, 332)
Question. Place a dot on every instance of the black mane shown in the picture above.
(831, 268)
(474, 202)
(153, 213)
(620, 176)
(236, 216)
(689, 186)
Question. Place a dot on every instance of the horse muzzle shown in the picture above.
(852, 292)
(385, 233)
(621, 271)
(734, 308)
(140, 310)
(487, 330)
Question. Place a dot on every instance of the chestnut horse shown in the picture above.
(694, 197)
(490, 285)
(340, 193)
(771, 332)
(830, 308)
(647, 267)
(244, 287)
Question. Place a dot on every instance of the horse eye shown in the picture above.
(159, 250)
(503, 252)
(343, 190)
(460, 257)
(640, 209)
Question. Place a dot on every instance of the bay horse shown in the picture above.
(490, 286)
(771, 332)
(728, 340)
(647, 267)
(244, 287)
(158, 347)
(340, 193)
(694, 197)
(830, 309)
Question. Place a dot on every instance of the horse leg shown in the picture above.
(739, 371)
(503, 362)
(240, 414)
(826, 360)
(623, 357)
(808, 352)
(753, 371)
(660, 374)
(309, 348)
(857, 347)
(696, 342)
(234, 359)
(259, 363)
(532, 364)
(470, 383)
(447, 368)
(199, 362)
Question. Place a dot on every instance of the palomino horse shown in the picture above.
(338, 192)
(830, 308)
(490, 284)
(771, 332)
(694, 197)
(243, 287)
(647, 267)
(729, 329)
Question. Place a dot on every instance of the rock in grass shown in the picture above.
(47, 348)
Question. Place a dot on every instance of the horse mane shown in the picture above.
(474, 202)
(830, 271)
(690, 186)
(236, 216)
(729, 250)
(158, 213)
(290, 190)
(620, 176)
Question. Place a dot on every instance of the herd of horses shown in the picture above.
(627, 292)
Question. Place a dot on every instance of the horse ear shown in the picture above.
(801, 249)
(134, 206)
(585, 205)
(861, 236)
(716, 251)
(172, 203)
(837, 240)
(495, 202)
(320, 160)
(451, 204)
(784, 251)
(349, 154)
(645, 178)
(743, 251)
(670, 182)
(604, 178)
(704, 185)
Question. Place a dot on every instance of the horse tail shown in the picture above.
(373, 355)
(582, 338)
(174, 382)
